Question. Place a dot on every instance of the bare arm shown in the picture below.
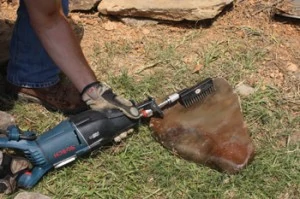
(58, 39)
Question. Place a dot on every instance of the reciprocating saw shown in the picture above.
(85, 132)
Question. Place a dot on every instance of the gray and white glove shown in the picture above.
(99, 96)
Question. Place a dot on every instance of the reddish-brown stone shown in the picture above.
(212, 133)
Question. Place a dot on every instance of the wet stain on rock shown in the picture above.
(212, 132)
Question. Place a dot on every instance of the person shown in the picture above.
(42, 45)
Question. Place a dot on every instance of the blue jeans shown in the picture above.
(30, 66)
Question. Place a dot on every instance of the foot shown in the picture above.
(60, 97)
(100, 96)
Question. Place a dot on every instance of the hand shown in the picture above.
(100, 96)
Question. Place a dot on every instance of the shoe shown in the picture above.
(60, 97)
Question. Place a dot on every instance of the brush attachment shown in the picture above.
(186, 97)
(197, 93)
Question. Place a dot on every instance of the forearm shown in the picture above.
(62, 46)
(59, 41)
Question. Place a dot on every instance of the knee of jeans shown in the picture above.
(65, 6)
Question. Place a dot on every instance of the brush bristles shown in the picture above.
(197, 94)
(197, 98)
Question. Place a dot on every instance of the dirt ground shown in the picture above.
(280, 68)
(98, 30)
(246, 18)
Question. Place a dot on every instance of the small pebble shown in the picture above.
(31, 195)
(244, 90)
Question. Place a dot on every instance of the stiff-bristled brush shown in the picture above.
(186, 97)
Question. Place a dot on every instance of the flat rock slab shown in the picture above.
(82, 4)
(211, 133)
(6, 120)
(174, 10)
(289, 8)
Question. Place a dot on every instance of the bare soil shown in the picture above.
(280, 67)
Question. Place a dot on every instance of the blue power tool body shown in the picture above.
(70, 139)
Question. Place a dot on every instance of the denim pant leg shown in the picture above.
(30, 65)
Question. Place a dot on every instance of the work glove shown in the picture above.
(100, 96)
(10, 168)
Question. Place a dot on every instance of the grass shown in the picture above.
(141, 167)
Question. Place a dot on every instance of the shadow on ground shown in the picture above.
(287, 19)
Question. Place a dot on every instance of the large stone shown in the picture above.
(212, 133)
(82, 4)
(6, 120)
(288, 8)
(175, 10)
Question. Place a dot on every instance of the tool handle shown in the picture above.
(29, 178)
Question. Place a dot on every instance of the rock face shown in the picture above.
(6, 120)
(82, 4)
(175, 10)
(212, 133)
(289, 8)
